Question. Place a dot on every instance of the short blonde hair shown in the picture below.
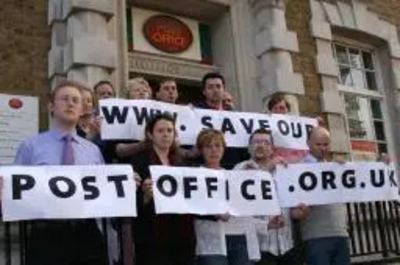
(136, 82)
(67, 83)
(208, 135)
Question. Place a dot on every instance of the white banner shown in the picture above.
(206, 191)
(126, 119)
(330, 183)
(67, 192)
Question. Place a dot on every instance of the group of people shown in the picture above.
(313, 235)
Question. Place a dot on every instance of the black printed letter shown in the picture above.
(349, 179)
(21, 183)
(115, 114)
(118, 179)
(92, 190)
(189, 184)
(302, 181)
(381, 181)
(245, 192)
(328, 179)
(173, 183)
(266, 190)
(210, 181)
(53, 184)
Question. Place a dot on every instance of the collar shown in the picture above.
(60, 134)
(311, 158)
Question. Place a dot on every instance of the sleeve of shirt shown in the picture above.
(100, 156)
(24, 154)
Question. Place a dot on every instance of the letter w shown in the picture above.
(115, 114)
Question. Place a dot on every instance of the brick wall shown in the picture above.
(388, 10)
(298, 15)
(24, 43)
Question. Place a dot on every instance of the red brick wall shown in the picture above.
(24, 43)
(298, 15)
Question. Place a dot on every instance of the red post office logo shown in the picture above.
(168, 34)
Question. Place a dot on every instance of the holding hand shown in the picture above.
(276, 222)
(276, 161)
(250, 165)
(147, 188)
(385, 158)
(93, 127)
(301, 212)
(1, 187)
(137, 178)
(223, 217)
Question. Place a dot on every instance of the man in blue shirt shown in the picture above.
(69, 242)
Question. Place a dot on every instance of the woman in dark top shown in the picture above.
(166, 239)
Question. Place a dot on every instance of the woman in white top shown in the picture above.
(222, 240)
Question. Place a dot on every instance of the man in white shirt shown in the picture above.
(275, 232)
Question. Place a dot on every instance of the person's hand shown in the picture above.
(147, 188)
(137, 178)
(1, 188)
(276, 222)
(94, 127)
(277, 160)
(300, 212)
(385, 158)
(223, 217)
(321, 122)
(341, 159)
(250, 165)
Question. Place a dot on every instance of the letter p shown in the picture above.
(21, 183)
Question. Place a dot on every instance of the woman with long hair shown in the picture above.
(166, 239)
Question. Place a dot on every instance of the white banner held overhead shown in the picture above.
(67, 192)
(126, 119)
(330, 183)
(206, 191)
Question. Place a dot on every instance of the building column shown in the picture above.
(273, 47)
(81, 48)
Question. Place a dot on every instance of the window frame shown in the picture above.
(378, 94)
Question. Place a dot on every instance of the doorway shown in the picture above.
(189, 91)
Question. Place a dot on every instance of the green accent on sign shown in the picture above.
(129, 29)
(205, 43)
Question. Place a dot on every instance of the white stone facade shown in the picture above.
(354, 17)
(81, 48)
(255, 62)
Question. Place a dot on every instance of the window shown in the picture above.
(364, 101)
(356, 68)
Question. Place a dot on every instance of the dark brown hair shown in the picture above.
(261, 131)
(103, 82)
(164, 80)
(276, 98)
(174, 155)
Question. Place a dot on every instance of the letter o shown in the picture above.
(303, 181)
(172, 181)
(53, 184)
(283, 127)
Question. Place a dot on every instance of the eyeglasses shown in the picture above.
(261, 142)
(67, 99)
